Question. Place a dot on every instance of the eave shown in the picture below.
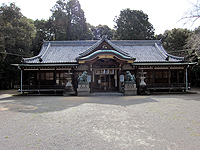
(106, 54)
(46, 65)
(162, 64)
(94, 47)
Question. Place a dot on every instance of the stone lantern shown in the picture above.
(142, 84)
(69, 89)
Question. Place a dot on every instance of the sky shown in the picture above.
(163, 15)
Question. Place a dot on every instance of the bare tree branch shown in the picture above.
(192, 15)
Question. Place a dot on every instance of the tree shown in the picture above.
(16, 30)
(176, 39)
(193, 46)
(16, 35)
(66, 23)
(193, 14)
(133, 25)
(101, 30)
(44, 31)
(193, 55)
(69, 21)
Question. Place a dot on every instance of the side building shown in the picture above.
(104, 60)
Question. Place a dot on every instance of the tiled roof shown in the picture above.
(104, 38)
(68, 51)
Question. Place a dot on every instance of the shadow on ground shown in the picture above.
(41, 104)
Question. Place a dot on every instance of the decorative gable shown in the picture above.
(104, 49)
(104, 46)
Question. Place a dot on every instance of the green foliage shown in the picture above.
(17, 31)
(69, 21)
(194, 75)
(16, 35)
(193, 46)
(193, 55)
(133, 25)
(101, 30)
(44, 31)
(176, 39)
(185, 43)
(66, 23)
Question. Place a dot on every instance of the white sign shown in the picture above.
(88, 78)
(99, 81)
(121, 77)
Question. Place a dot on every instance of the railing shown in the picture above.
(167, 86)
(158, 86)
(42, 87)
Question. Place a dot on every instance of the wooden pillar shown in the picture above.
(119, 83)
(184, 75)
(136, 76)
(169, 75)
(115, 77)
(177, 76)
(21, 79)
(55, 76)
(28, 78)
(120, 86)
(109, 83)
(153, 75)
(39, 78)
(73, 78)
(92, 77)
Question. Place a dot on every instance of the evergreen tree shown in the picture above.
(133, 25)
(69, 21)
(193, 55)
(101, 30)
(44, 31)
(176, 39)
(16, 35)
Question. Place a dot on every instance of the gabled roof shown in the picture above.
(104, 47)
(70, 51)
(93, 47)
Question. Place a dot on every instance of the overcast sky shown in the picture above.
(162, 14)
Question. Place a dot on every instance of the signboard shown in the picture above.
(88, 78)
(121, 77)
(99, 81)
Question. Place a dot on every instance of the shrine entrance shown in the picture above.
(105, 82)
(105, 72)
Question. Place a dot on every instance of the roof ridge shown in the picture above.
(160, 51)
(105, 51)
(49, 45)
(172, 56)
(175, 57)
(31, 58)
(91, 48)
(116, 47)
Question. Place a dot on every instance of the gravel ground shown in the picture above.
(100, 121)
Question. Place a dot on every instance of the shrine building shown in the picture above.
(104, 60)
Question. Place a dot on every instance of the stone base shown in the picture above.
(83, 90)
(143, 90)
(69, 90)
(130, 90)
